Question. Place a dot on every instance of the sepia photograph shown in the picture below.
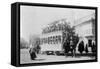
(56, 34)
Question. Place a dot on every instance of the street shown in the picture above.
(25, 58)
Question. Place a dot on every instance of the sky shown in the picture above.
(35, 18)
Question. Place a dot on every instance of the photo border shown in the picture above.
(17, 19)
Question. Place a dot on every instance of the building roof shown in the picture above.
(84, 19)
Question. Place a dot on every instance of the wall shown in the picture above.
(84, 26)
(84, 30)
(5, 36)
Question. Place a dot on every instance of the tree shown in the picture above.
(23, 43)
(35, 42)
(69, 32)
(81, 47)
(69, 36)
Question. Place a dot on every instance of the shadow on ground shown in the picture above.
(39, 59)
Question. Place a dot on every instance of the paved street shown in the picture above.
(25, 58)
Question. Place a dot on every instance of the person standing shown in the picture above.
(72, 48)
(93, 48)
(32, 52)
(66, 47)
(86, 49)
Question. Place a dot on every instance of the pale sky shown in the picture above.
(34, 18)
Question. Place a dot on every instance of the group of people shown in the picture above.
(70, 46)
(85, 47)
(34, 51)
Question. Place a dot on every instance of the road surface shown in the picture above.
(25, 58)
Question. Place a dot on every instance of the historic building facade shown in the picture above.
(85, 28)
(52, 36)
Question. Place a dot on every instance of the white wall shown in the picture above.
(84, 29)
(5, 36)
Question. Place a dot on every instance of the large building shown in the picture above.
(52, 36)
(85, 27)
